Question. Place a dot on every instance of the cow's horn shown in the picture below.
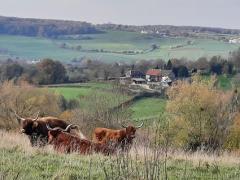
(124, 126)
(74, 126)
(19, 119)
(49, 128)
(36, 118)
(68, 127)
(140, 125)
(53, 129)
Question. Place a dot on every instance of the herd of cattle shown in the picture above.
(67, 138)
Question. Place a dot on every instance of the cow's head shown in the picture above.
(131, 130)
(54, 132)
(27, 124)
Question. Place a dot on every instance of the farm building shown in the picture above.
(134, 74)
(138, 81)
(156, 75)
(153, 75)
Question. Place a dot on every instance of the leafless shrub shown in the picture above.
(26, 100)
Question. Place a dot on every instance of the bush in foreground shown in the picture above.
(201, 115)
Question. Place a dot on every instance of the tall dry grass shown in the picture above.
(19, 159)
(143, 150)
(18, 141)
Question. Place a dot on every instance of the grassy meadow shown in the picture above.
(225, 82)
(109, 47)
(18, 160)
(143, 109)
(148, 108)
(78, 91)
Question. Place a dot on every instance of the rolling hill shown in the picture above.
(33, 39)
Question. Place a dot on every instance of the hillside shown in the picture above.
(43, 27)
(34, 39)
(112, 46)
(53, 28)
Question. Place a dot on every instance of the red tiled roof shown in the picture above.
(154, 72)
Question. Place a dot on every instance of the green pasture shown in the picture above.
(78, 91)
(225, 82)
(115, 42)
(148, 108)
(92, 94)
(73, 92)
(145, 108)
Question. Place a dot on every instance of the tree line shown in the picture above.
(49, 71)
(169, 29)
(55, 28)
(44, 28)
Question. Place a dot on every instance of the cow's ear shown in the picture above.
(35, 124)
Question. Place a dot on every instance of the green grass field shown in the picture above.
(148, 108)
(143, 109)
(73, 92)
(92, 94)
(224, 81)
(82, 90)
(112, 41)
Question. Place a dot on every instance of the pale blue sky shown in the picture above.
(214, 13)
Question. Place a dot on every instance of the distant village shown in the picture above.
(153, 79)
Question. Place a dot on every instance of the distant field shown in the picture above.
(109, 46)
(224, 81)
(89, 93)
(148, 108)
(81, 90)
(72, 92)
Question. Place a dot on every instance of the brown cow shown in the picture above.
(36, 130)
(65, 142)
(122, 138)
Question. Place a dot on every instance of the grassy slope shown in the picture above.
(73, 92)
(143, 109)
(224, 81)
(32, 47)
(148, 108)
(18, 160)
(81, 90)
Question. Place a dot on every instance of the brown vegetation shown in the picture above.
(201, 115)
(26, 100)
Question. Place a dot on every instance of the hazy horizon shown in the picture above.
(214, 13)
